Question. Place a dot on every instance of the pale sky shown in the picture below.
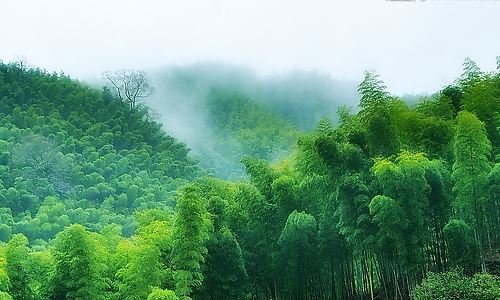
(415, 46)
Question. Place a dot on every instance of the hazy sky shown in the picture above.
(415, 46)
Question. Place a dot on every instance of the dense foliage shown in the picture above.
(99, 203)
(71, 154)
(247, 128)
(454, 285)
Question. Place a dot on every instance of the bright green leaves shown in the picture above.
(375, 114)
(5, 283)
(483, 99)
(470, 177)
(16, 254)
(425, 128)
(142, 262)
(190, 235)
(373, 92)
(79, 266)
(60, 138)
(454, 285)
(347, 215)
(408, 185)
(160, 294)
(471, 167)
(141, 272)
(407, 171)
(41, 266)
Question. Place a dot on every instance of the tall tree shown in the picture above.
(190, 236)
(298, 253)
(4, 278)
(462, 246)
(142, 271)
(471, 74)
(373, 92)
(470, 170)
(78, 271)
(160, 294)
(224, 273)
(17, 269)
(493, 211)
(375, 114)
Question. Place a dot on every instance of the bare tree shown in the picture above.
(129, 86)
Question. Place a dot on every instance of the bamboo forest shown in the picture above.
(388, 199)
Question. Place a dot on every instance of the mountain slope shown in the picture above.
(72, 154)
(224, 112)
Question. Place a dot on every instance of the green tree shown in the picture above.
(78, 270)
(482, 99)
(454, 95)
(142, 271)
(493, 211)
(160, 294)
(454, 285)
(224, 271)
(190, 236)
(4, 277)
(405, 182)
(16, 254)
(373, 92)
(471, 73)
(470, 171)
(298, 253)
(375, 114)
(41, 266)
(462, 246)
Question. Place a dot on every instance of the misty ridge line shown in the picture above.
(182, 99)
(184, 96)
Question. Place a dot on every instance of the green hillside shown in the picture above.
(224, 112)
(71, 154)
(241, 127)
(393, 202)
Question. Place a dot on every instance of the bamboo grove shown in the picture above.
(394, 201)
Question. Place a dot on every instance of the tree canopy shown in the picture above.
(395, 201)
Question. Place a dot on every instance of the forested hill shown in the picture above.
(393, 202)
(72, 154)
(224, 112)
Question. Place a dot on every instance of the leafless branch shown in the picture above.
(129, 86)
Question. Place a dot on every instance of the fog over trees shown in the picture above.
(249, 150)
(224, 112)
(297, 186)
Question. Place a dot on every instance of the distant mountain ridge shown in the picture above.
(195, 105)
